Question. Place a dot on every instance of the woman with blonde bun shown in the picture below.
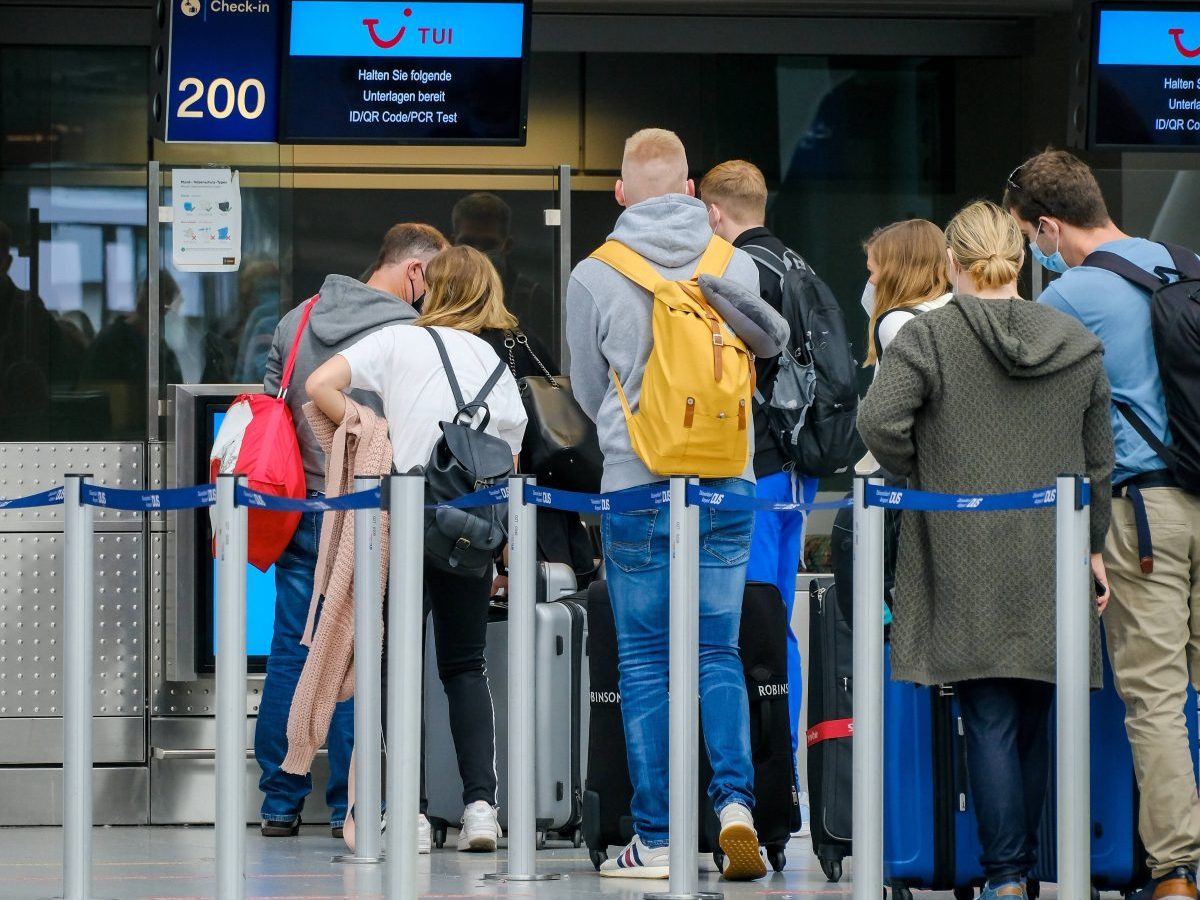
(990, 394)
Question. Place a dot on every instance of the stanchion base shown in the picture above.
(353, 860)
(540, 876)
(699, 895)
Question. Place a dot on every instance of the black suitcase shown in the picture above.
(608, 792)
(830, 712)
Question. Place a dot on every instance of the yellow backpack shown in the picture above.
(693, 414)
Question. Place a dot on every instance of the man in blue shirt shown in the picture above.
(1153, 618)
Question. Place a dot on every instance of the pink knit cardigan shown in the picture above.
(359, 446)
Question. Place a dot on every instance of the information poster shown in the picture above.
(1146, 78)
(405, 72)
(206, 229)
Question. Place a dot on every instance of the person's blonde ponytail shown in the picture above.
(986, 244)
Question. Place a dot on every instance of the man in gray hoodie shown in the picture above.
(609, 330)
(347, 311)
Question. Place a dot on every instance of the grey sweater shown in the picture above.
(608, 322)
(347, 312)
(981, 397)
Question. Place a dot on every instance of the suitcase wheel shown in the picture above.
(833, 870)
(541, 840)
(598, 857)
(778, 857)
(964, 893)
(577, 838)
(901, 893)
(719, 860)
(439, 827)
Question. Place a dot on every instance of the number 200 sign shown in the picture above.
(223, 71)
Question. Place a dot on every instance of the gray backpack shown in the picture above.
(464, 460)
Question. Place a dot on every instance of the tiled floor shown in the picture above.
(178, 864)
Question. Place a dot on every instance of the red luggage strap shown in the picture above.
(831, 730)
(291, 360)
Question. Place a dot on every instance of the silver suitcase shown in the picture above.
(561, 716)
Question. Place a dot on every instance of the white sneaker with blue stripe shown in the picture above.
(638, 861)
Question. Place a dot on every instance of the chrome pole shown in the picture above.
(78, 595)
(368, 647)
(405, 503)
(867, 812)
(1074, 596)
(522, 648)
(231, 690)
(684, 689)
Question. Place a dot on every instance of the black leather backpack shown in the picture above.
(464, 460)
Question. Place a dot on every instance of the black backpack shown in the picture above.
(1175, 322)
(821, 438)
(464, 460)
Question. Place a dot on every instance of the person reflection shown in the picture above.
(483, 220)
(116, 363)
(37, 355)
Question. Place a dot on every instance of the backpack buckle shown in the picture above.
(718, 340)
(462, 545)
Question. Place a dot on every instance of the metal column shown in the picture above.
(231, 690)
(867, 813)
(405, 500)
(1074, 628)
(522, 648)
(78, 595)
(368, 647)
(684, 689)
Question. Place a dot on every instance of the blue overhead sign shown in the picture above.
(223, 71)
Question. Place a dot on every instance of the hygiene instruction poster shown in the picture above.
(206, 220)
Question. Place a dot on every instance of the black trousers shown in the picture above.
(1008, 765)
(459, 606)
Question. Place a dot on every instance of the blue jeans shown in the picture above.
(637, 550)
(1007, 725)
(283, 792)
(775, 558)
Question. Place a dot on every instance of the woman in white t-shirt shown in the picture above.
(909, 275)
(402, 365)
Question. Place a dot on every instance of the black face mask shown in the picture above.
(416, 300)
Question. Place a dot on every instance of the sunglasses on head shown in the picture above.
(1012, 185)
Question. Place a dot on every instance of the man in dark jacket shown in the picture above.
(347, 311)
(735, 193)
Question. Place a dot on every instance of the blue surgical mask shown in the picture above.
(868, 299)
(1052, 263)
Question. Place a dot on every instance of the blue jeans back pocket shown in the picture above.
(628, 537)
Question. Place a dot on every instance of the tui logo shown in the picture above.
(1177, 33)
(389, 43)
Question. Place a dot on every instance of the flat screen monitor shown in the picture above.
(1145, 77)
(405, 72)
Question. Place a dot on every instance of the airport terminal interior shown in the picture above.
(178, 175)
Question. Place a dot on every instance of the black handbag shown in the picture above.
(465, 459)
(560, 447)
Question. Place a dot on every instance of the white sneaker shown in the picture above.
(744, 858)
(424, 835)
(480, 828)
(638, 861)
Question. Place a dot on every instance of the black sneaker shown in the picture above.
(280, 829)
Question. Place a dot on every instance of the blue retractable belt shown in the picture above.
(52, 497)
(194, 497)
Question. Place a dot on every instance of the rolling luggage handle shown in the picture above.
(1073, 624)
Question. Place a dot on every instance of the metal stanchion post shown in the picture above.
(405, 503)
(77, 691)
(867, 809)
(1074, 705)
(684, 690)
(522, 647)
(231, 690)
(367, 673)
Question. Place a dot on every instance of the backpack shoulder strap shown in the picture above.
(716, 258)
(490, 384)
(1184, 260)
(1119, 265)
(290, 366)
(629, 263)
(1139, 425)
(450, 376)
(766, 258)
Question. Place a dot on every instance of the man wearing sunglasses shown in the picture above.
(1152, 554)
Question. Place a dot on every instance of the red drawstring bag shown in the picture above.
(258, 439)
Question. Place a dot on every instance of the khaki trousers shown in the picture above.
(1153, 628)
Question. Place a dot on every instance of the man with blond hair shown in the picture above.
(735, 193)
(609, 331)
